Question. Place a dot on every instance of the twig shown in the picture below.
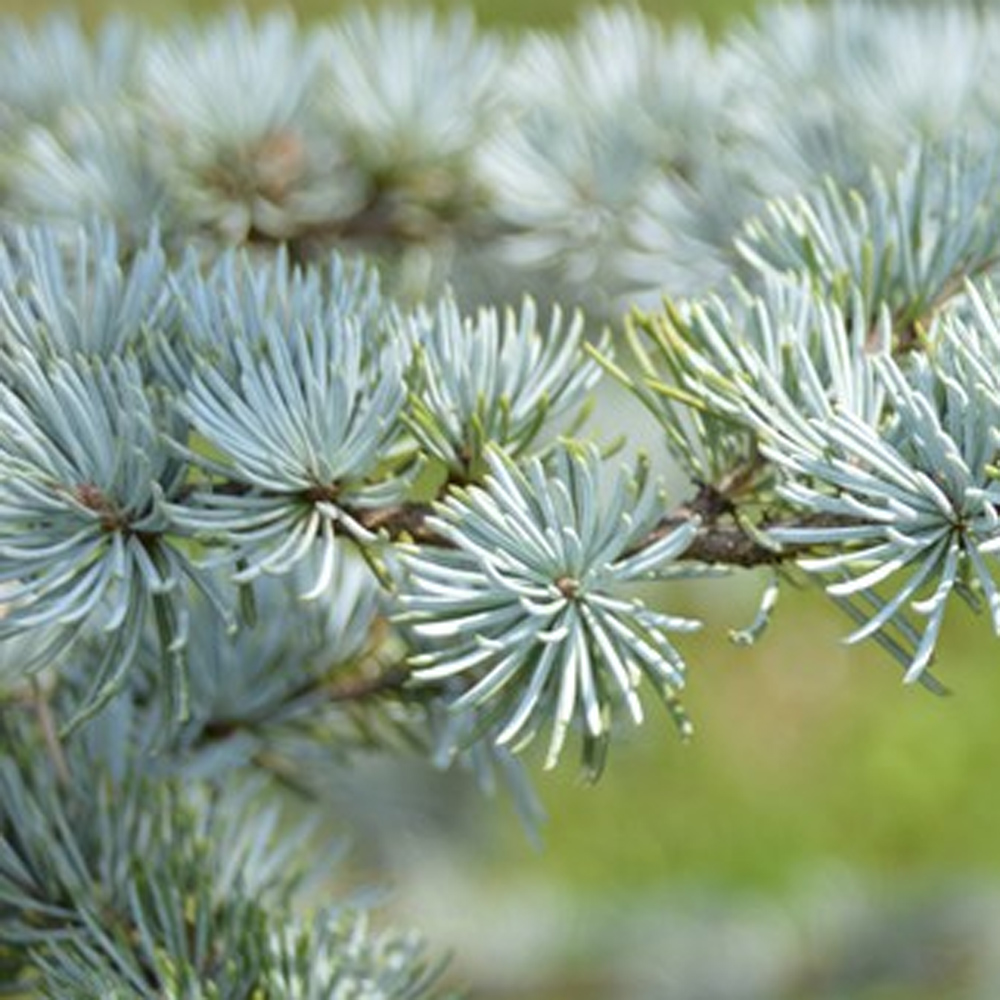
(363, 688)
(719, 541)
(50, 733)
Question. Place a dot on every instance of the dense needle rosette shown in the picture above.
(83, 528)
(907, 511)
(304, 430)
(235, 131)
(495, 378)
(525, 604)
(66, 295)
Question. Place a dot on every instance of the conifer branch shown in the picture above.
(248, 487)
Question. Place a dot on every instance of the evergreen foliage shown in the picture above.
(283, 480)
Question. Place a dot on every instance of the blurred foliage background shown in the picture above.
(828, 834)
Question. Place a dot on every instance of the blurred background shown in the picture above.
(827, 835)
(549, 13)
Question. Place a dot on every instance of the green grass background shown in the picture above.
(713, 13)
(809, 754)
(806, 751)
